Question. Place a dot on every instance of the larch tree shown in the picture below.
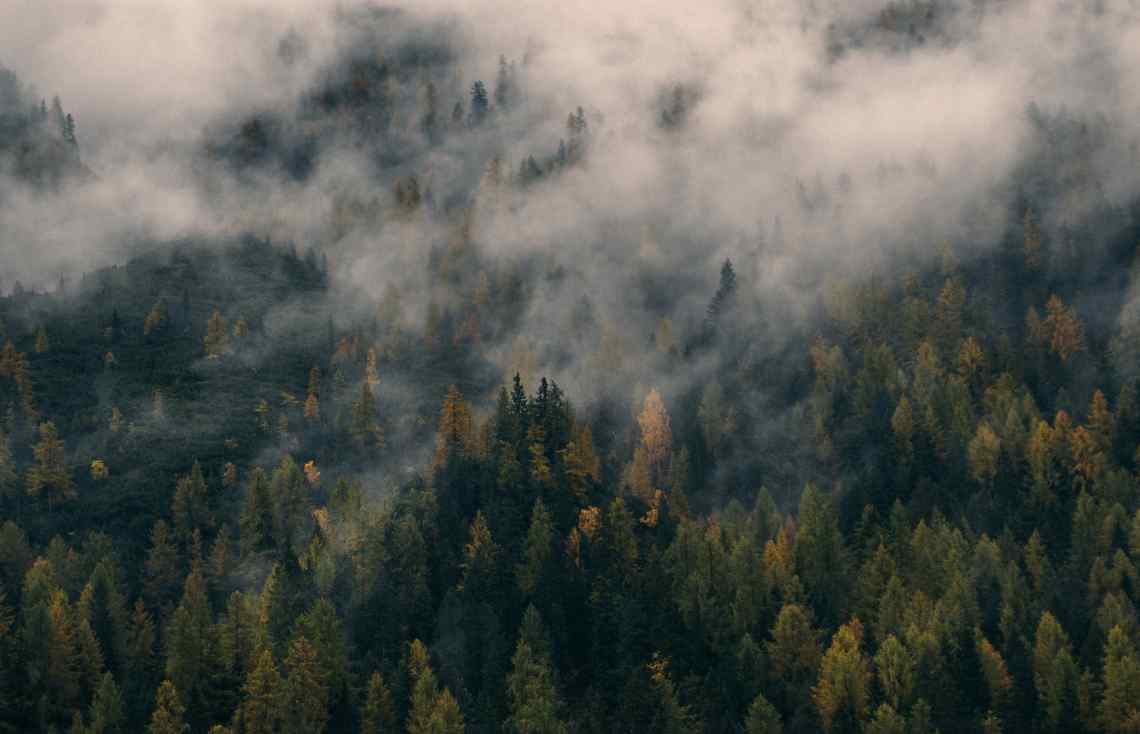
(984, 452)
(257, 523)
(259, 709)
(304, 695)
(887, 721)
(1055, 674)
(379, 713)
(650, 468)
(1120, 705)
(155, 319)
(455, 436)
(895, 669)
(162, 568)
(50, 475)
(169, 713)
(191, 645)
(844, 687)
(432, 711)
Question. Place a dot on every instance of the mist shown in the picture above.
(817, 138)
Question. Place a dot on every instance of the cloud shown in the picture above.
(855, 129)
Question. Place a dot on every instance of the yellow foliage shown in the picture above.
(99, 470)
(589, 520)
(312, 474)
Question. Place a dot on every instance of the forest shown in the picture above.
(422, 398)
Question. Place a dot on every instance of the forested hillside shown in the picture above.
(416, 401)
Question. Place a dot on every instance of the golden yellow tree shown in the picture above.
(844, 687)
(983, 453)
(456, 433)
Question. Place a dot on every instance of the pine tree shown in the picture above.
(538, 552)
(820, 554)
(190, 507)
(50, 475)
(9, 479)
(259, 711)
(1054, 674)
(138, 654)
(480, 562)
(1120, 706)
(887, 721)
(379, 715)
(763, 718)
(169, 713)
(365, 427)
(725, 297)
(191, 645)
(102, 608)
(257, 517)
(69, 130)
(480, 104)
(432, 711)
(794, 652)
(161, 570)
(532, 687)
(107, 715)
(304, 695)
(896, 672)
(669, 715)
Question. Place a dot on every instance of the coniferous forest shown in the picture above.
(773, 367)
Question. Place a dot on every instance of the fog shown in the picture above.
(819, 139)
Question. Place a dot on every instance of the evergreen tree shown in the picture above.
(480, 104)
(304, 695)
(379, 715)
(259, 711)
(763, 718)
(168, 712)
(191, 646)
(257, 522)
(432, 711)
(532, 688)
(107, 715)
(1120, 707)
(50, 475)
